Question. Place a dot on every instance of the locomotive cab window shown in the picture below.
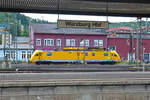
(105, 54)
(36, 55)
(49, 53)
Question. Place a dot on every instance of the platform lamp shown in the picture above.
(143, 60)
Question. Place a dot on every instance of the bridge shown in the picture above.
(136, 8)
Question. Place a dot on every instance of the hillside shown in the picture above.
(129, 24)
(21, 21)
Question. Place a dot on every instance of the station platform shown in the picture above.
(75, 86)
(74, 78)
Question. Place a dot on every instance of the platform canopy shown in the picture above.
(138, 8)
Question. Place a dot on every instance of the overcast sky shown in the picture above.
(54, 17)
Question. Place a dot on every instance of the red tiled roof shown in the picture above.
(125, 28)
(144, 27)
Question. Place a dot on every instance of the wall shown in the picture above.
(77, 92)
(63, 37)
(123, 46)
(18, 56)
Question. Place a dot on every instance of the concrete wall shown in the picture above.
(98, 92)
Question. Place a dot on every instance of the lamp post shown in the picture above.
(83, 40)
(141, 55)
(15, 31)
(143, 60)
(137, 49)
(134, 54)
(84, 53)
(139, 45)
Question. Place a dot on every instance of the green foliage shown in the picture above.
(19, 23)
(133, 25)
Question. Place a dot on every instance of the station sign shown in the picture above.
(82, 24)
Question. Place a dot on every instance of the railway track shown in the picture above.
(31, 68)
(50, 71)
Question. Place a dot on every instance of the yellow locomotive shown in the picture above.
(75, 55)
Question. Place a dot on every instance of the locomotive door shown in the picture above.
(78, 57)
(112, 56)
(82, 57)
(40, 56)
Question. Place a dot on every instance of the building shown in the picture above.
(7, 41)
(19, 50)
(49, 36)
(121, 39)
(124, 41)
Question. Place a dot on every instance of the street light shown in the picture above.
(143, 60)
(83, 40)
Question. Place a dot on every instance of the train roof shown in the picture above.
(87, 49)
(76, 49)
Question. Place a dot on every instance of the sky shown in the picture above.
(54, 17)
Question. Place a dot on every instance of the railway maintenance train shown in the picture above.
(75, 55)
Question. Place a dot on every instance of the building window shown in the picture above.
(58, 42)
(7, 54)
(23, 54)
(146, 57)
(13, 54)
(72, 42)
(131, 56)
(98, 43)
(67, 42)
(38, 42)
(48, 42)
(84, 43)
(112, 48)
(29, 54)
(95, 43)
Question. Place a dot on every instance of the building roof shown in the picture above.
(52, 28)
(23, 39)
(22, 43)
(123, 29)
(119, 28)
